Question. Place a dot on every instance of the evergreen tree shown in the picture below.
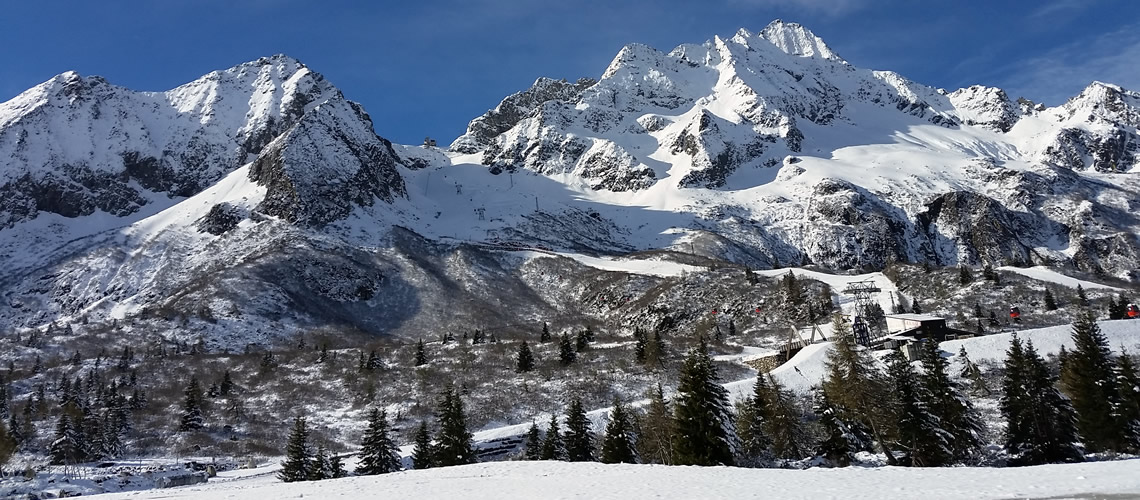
(993, 319)
(988, 273)
(1050, 301)
(956, 414)
(965, 277)
(855, 386)
(582, 342)
(1129, 382)
(320, 467)
(915, 307)
(731, 328)
(336, 467)
(298, 464)
(566, 353)
(655, 352)
(192, 419)
(751, 416)
(373, 361)
(524, 361)
(701, 413)
(784, 423)
(533, 443)
(1089, 379)
(971, 372)
(227, 385)
(792, 298)
(378, 453)
(978, 310)
(421, 353)
(552, 447)
(422, 455)
(655, 430)
(843, 437)
(7, 446)
(1082, 299)
(579, 439)
(617, 444)
(639, 346)
(1041, 425)
(67, 446)
(545, 336)
(453, 443)
(918, 430)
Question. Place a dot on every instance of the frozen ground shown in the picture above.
(561, 480)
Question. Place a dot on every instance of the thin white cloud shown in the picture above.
(1060, 6)
(1062, 72)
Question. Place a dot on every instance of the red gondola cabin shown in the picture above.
(1133, 311)
(1015, 313)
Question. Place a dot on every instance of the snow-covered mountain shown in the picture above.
(258, 200)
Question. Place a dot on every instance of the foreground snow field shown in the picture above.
(541, 480)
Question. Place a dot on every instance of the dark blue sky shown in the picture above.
(427, 67)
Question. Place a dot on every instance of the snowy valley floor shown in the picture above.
(561, 480)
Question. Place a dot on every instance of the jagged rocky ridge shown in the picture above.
(258, 199)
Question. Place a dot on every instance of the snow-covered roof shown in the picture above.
(915, 317)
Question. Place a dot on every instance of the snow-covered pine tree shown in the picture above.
(552, 447)
(579, 439)
(227, 385)
(946, 401)
(916, 428)
(1082, 299)
(1040, 422)
(1129, 382)
(545, 335)
(965, 277)
(321, 467)
(655, 430)
(524, 360)
(66, 447)
(582, 342)
(1050, 300)
(192, 418)
(566, 353)
(843, 437)
(298, 464)
(453, 443)
(1088, 377)
(533, 443)
(378, 453)
(639, 346)
(617, 444)
(701, 413)
(915, 307)
(422, 453)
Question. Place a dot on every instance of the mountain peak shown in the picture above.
(796, 40)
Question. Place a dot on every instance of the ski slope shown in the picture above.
(563, 480)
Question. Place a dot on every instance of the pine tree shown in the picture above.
(617, 444)
(422, 454)
(566, 353)
(655, 430)
(298, 464)
(582, 342)
(751, 416)
(320, 467)
(918, 430)
(524, 361)
(1041, 424)
(421, 353)
(453, 443)
(784, 423)
(544, 337)
(701, 413)
(1129, 382)
(378, 453)
(978, 310)
(7, 446)
(579, 439)
(843, 437)
(1050, 301)
(639, 346)
(971, 372)
(336, 467)
(1089, 379)
(988, 273)
(533, 443)
(552, 447)
(993, 319)
(793, 298)
(731, 328)
(856, 387)
(915, 307)
(227, 385)
(67, 446)
(1082, 299)
(965, 277)
(192, 419)
(956, 414)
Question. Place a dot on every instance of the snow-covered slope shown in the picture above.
(774, 142)
(587, 480)
(258, 199)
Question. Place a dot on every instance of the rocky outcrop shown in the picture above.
(514, 109)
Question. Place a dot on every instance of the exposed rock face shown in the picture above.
(514, 108)
(74, 144)
(327, 164)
